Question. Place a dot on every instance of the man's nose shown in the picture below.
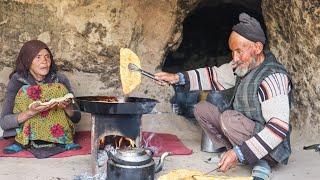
(235, 58)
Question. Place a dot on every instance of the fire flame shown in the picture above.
(132, 144)
(118, 142)
(123, 139)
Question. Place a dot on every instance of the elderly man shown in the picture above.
(255, 126)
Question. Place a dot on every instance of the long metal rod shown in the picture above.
(194, 176)
(212, 170)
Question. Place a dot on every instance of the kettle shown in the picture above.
(133, 164)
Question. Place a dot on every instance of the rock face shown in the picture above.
(294, 33)
(86, 35)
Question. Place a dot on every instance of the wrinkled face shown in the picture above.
(243, 54)
(40, 66)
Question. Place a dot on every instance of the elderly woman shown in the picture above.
(35, 78)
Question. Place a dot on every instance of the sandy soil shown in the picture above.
(302, 164)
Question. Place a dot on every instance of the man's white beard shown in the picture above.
(243, 71)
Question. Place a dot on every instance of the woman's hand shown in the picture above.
(33, 110)
(66, 106)
(167, 77)
(36, 108)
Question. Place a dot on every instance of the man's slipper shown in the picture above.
(72, 146)
(13, 148)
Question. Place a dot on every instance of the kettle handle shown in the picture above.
(161, 162)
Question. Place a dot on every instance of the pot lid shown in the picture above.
(134, 156)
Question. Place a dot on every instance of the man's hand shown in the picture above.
(167, 77)
(228, 160)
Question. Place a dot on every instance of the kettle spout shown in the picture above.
(161, 162)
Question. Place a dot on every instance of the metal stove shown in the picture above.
(114, 118)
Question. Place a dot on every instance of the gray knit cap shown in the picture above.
(249, 28)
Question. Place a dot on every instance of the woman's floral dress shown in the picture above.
(51, 126)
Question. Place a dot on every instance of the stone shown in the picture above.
(85, 37)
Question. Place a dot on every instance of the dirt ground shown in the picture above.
(302, 164)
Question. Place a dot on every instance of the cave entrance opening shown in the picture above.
(206, 31)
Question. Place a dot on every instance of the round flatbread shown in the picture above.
(129, 79)
(186, 174)
(59, 99)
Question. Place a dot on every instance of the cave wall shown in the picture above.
(86, 35)
(294, 34)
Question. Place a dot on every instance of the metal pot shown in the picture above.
(133, 164)
(208, 146)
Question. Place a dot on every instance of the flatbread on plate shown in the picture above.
(129, 79)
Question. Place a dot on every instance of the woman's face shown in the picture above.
(40, 66)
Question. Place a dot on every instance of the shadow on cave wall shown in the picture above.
(205, 43)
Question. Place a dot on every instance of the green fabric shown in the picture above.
(50, 126)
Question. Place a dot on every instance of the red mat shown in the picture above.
(159, 142)
(82, 138)
(162, 142)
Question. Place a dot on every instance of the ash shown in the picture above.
(102, 165)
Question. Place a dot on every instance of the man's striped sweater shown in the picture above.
(273, 96)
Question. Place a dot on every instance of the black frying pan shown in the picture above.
(130, 105)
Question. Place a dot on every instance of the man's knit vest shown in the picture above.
(247, 102)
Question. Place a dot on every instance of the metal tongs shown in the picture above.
(133, 67)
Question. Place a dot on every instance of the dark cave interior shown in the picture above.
(206, 31)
